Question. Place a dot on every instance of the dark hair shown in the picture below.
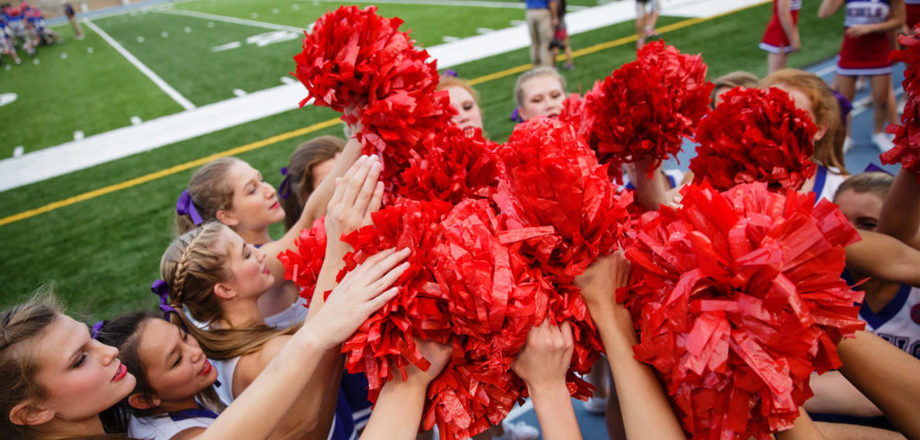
(123, 333)
(300, 173)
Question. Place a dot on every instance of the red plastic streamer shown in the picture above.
(738, 298)
(755, 135)
(907, 135)
(302, 266)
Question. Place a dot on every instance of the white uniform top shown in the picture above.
(674, 176)
(795, 5)
(294, 315)
(225, 370)
(827, 180)
(899, 322)
(164, 427)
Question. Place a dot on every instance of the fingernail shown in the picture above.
(405, 250)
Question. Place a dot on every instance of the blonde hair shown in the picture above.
(828, 149)
(530, 74)
(450, 81)
(191, 266)
(876, 183)
(210, 192)
(19, 325)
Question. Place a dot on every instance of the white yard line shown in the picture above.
(234, 20)
(163, 85)
(97, 149)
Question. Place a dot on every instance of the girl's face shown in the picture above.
(468, 115)
(543, 96)
(255, 205)
(82, 376)
(862, 209)
(803, 102)
(250, 276)
(176, 367)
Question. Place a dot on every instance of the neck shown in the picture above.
(187, 403)
(255, 236)
(879, 293)
(63, 429)
(240, 313)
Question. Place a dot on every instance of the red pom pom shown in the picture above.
(738, 298)
(452, 166)
(755, 135)
(907, 135)
(303, 265)
(495, 298)
(419, 310)
(558, 199)
(646, 107)
(355, 59)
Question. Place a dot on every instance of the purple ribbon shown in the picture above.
(160, 288)
(516, 115)
(845, 106)
(185, 206)
(284, 191)
(96, 328)
(873, 168)
(450, 72)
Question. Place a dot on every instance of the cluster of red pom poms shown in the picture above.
(737, 297)
(907, 135)
(498, 233)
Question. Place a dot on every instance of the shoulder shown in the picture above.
(251, 364)
(188, 434)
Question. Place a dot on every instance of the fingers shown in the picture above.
(374, 204)
(377, 265)
(339, 192)
(354, 185)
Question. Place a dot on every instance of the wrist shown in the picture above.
(547, 390)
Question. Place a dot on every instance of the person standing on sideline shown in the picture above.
(646, 17)
(72, 18)
(782, 34)
(542, 18)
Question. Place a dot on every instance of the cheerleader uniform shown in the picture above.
(165, 426)
(826, 183)
(343, 428)
(899, 322)
(866, 55)
(912, 7)
(774, 38)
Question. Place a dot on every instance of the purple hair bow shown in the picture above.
(185, 206)
(284, 191)
(160, 288)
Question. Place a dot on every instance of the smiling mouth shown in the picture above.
(205, 369)
(120, 373)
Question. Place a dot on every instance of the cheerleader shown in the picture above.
(782, 34)
(865, 49)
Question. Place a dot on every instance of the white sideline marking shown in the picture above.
(175, 95)
(94, 150)
(239, 92)
(18, 151)
(234, 20)
(7, 98)
(136, 120)
(483, 30)
(78, 135)
(228, 46)
(472, 3)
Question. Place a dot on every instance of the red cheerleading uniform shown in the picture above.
(912, 7)
(866, 55)
(774, 39)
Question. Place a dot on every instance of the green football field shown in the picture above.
(101, 231)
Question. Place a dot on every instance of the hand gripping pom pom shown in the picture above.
(738, 298)
(419, 310)
(907, 135)
(755, 135)
(645, 108)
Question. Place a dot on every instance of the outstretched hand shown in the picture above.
(357, 195)
(362, 292)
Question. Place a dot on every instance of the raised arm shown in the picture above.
(834, 394)
(314, 208)
(259, 410)
(643, 403)
(542, 364)
(885, 257)
(804, 429)
(650, 193)
(900, 217)
(887, 376)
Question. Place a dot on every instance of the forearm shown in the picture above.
(650, 193)
(332, 265)
(553, 405)
(784, 14)
(900, 217)
(804, 429)
(828, 8)
(884, 257)
(645, 408)
(311, 415)
(315, 206)
(887, 376)
(835, 395)
(398, 412)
